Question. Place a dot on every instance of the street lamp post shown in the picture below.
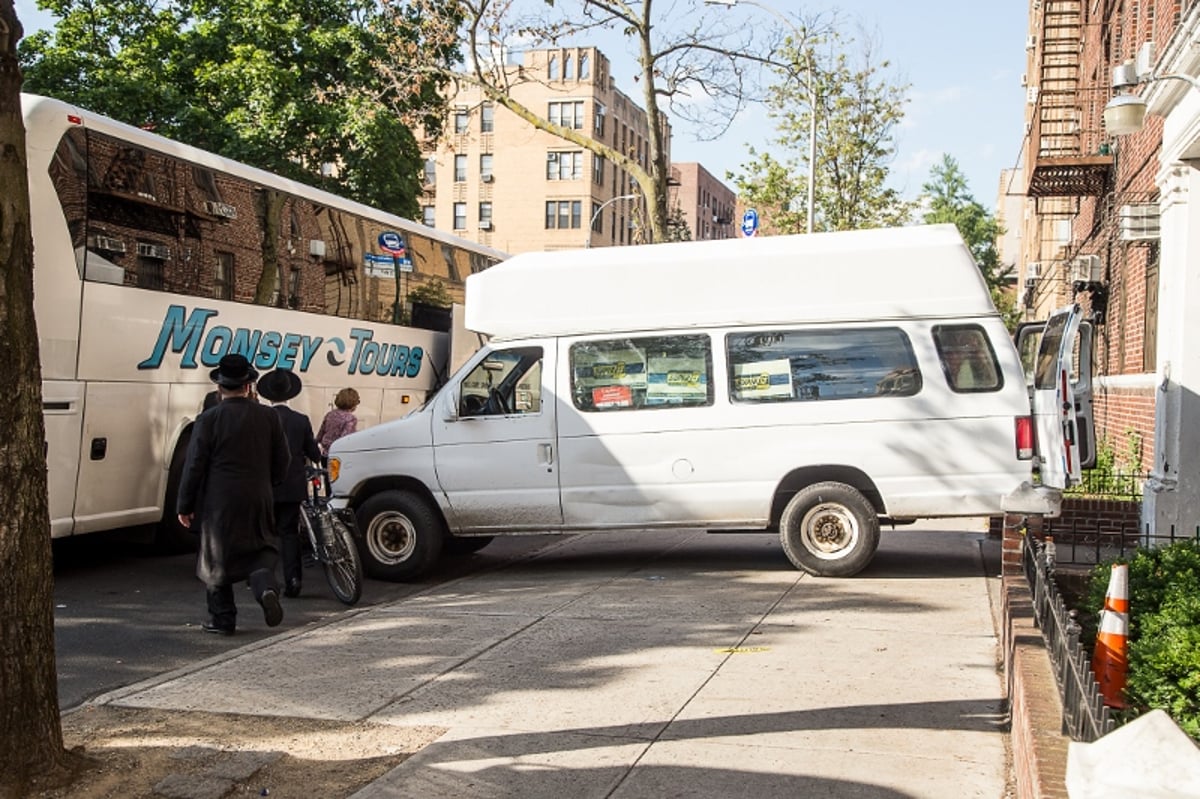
(812, 101)
(588, 241)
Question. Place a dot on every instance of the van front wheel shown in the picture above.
(402, 536)
(830, 530)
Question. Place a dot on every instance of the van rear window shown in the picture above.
(647, 372)
(808, 365)
(968, 360)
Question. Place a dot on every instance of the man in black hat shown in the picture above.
(237, 452)
(278, 386)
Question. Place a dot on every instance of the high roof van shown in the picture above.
(814, 386)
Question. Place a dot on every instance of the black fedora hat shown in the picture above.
(233, 371)
(279, 385)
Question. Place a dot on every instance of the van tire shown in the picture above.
(171, 537)
(829, 530)
(402, 537)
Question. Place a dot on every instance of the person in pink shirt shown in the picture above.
(340, 421)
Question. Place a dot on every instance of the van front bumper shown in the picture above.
(1029, 499)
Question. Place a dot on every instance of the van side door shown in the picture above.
(1060, 395)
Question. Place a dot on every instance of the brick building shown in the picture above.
(1109, 220)
(707, 204)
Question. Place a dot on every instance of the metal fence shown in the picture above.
(1085, 717)
(1089, 544)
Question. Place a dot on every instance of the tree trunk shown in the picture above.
(31, 743)
(270, 209)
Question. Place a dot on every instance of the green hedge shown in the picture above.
(1164, 630)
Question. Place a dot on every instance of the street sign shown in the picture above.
(391, 243)
(749, 222)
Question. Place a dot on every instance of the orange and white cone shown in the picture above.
(1110, 659)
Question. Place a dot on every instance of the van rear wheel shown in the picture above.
(402, 536)
(830, 530)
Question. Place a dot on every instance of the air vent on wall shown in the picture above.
(106, 243)
(220, 209)
(157, 251)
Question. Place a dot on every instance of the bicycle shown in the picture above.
(331, 534)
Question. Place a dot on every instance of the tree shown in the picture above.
(289, 86)
(31, 742)
(432, 292)
(948, 199)
(702, 66)
(857, 110)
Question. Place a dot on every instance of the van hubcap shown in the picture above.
(391, 538)
(829, 531)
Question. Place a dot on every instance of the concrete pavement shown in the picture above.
(658, 664)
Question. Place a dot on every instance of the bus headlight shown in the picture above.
(335, 468)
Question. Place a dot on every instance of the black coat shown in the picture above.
(237, 452)
(297, 429)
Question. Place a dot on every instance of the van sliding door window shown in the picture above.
(810, 365)
(650, 372)
(968, 361)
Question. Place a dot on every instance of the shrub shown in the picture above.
(1164, 629)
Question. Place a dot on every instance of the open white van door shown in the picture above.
(1060, 396)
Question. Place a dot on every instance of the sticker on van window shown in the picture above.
(612, 397)
(676, 381)
(762, 379)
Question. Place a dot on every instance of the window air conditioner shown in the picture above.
(488, 178)
(1031, 42)
(220, 209)
(106, 243)
(316, 248)
(1033, 269)
(157, 251)
(1086, 269)
(485, 224)
(1139, 222)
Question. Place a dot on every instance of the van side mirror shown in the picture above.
(453, 395)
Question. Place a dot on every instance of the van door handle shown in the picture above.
(546, 454)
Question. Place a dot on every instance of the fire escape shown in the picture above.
(1068, 158)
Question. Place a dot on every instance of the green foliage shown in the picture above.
(1164, 629)
(431, 292)
(284, 85)
(857, 110)
(677, 227)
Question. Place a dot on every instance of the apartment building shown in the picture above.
(1110, 222)
(704, 202)
(496, 179)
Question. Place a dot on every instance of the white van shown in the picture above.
(813, 385)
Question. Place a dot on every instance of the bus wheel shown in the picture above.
(402, 536)
(171, 536)
(830, 530)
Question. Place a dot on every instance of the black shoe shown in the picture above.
(292, 589)
(210, 626)
(272, 610)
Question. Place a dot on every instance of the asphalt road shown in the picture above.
(124, 613)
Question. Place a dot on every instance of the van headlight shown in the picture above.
(335, 468)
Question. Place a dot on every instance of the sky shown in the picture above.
(963, 61)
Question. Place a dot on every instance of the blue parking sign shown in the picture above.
(749, 222)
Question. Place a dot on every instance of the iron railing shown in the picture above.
(1085, 717)
(1089, 544)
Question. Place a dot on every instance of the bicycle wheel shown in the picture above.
(343, 568)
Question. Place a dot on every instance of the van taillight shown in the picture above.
(1024, 425)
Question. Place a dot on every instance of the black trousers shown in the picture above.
(287, 526)
(221, 606)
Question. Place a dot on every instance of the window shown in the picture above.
(294, 289)
(552, 68)
(505, 383)
(650, 372)
(487, 118)
(428, 215)
(585, 66)
(222, 276)
(597, 218)
(150, 273)
(462, 120)
(568, 68)
(430, 171)
(485, 167)
(460, 216)
(811, 365)
(967, 358)
(601, 115)
(564, 166)
(460, 168)
(569, 114)
(564, 214)
(485, 216)
(598, 169)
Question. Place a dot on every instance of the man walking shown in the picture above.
(237, 452)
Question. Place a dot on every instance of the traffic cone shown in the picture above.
(1110, 659)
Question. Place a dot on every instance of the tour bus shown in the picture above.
(153, 259)
(815, 386)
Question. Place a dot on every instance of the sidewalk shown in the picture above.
(658, 664)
